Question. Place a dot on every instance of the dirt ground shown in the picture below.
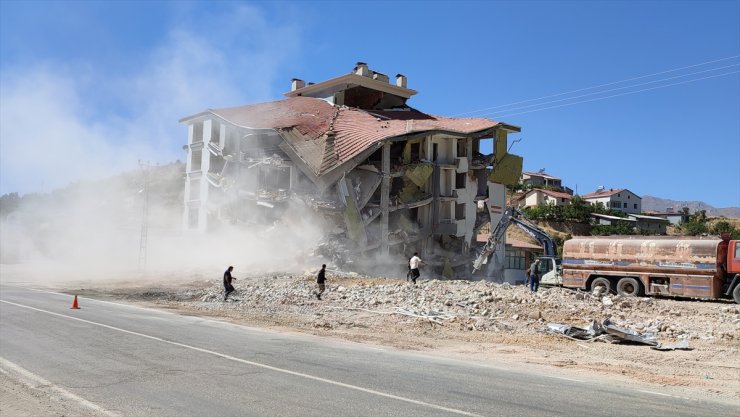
(495, 323)
(20, 397)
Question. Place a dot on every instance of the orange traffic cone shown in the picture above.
(74, 304)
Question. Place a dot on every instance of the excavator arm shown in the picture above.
(516, 216)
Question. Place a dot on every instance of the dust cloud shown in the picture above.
(93, 231)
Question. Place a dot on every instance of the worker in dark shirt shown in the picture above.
(321, 281)
(228, 288)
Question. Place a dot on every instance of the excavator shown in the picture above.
(549, 265)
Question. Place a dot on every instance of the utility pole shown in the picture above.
(145, 216)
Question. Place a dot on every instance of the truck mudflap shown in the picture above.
(735, 281)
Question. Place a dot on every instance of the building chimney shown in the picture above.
(296, 84)
(401, 80)
(362, 69)
(380, 77)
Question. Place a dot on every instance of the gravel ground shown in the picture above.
(474, 320)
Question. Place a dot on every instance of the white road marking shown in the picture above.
(42, 383)
(257, 364)
(656, 393)
(668, 395)
(567, 379)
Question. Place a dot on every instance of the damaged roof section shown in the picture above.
(326, 136)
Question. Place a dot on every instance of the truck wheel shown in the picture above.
(736, 294)
(601, 285)
(628, 287)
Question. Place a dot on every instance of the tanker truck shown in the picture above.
(695, 267)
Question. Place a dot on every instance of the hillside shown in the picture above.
(650, 203)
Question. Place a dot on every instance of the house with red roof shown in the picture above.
(538, 197)
(385, 177)
(620, 199)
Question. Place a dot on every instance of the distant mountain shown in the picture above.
(650, 203)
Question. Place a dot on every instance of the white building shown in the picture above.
(621, 199)
(540, 197)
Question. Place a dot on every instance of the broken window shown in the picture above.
(215, 133)
(446, 210)
(195, 158)
(461, 147)
(396, 155)
(414, 214)
(459, 211)
(197, 132)
(460, 180)
(415, 152)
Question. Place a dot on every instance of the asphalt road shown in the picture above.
(131, 361)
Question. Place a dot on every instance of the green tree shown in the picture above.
(725, 227)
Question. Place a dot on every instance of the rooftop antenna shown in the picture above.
(512, 144)
(541, 171)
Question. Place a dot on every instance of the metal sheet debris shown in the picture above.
(605, 331)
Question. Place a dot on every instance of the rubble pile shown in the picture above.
(357, 301)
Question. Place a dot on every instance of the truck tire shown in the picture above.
(629, 287)
(601, 285)
(736, 294)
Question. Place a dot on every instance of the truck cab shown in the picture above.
(550, 270)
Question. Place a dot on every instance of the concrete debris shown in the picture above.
(353, 300)
(431, 315)
(336, 248)
(680, 345)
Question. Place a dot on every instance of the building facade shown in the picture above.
(541, 179)
(620, 200)
(540, 197)
(386, 178)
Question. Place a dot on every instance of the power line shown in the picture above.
(616, 89)
(599, 86)
(617, 95)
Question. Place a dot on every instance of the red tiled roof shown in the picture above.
(308, 123)
(605, 193)
(552, 193)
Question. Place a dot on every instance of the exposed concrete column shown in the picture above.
(188, 168)
(205, 165)
(469, 151)
(496, 208)
(385, 189)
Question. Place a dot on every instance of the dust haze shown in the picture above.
(101, 230)
(72, 133)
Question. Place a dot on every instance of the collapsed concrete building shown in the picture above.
(390, 179)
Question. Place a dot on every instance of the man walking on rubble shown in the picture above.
(321, 281)
(534, 276)
(414, 263)
(228, 288)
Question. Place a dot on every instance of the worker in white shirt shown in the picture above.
(414, 263)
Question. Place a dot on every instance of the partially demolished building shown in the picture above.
(390, 179)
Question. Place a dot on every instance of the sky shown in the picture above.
(623, 94)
